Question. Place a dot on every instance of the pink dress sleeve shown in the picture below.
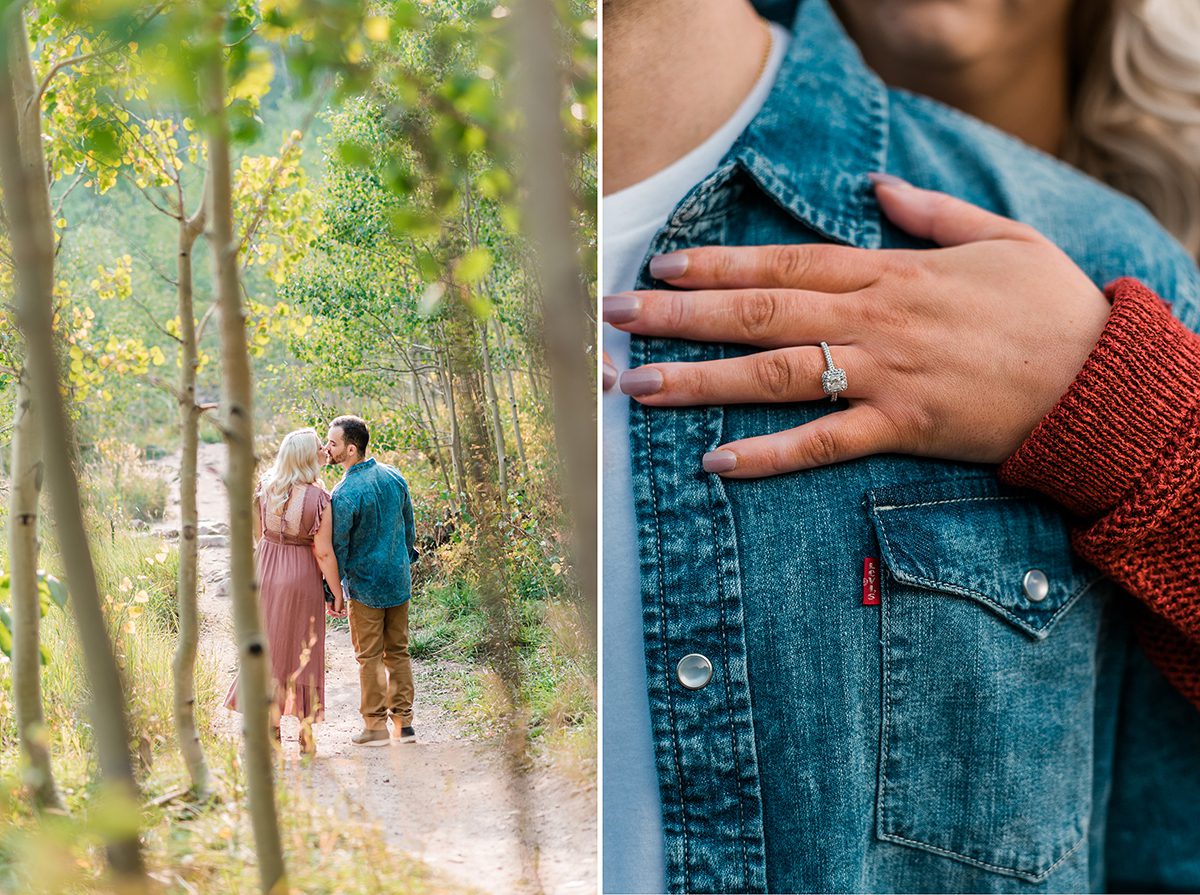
(318, 501)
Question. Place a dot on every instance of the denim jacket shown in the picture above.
(962, 735)
(373, 534)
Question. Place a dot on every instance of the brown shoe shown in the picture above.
(404, 734)
(369, 737)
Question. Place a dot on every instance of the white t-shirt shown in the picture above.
(630, 219)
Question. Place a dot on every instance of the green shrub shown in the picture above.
(447, 622)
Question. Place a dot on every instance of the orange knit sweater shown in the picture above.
(1121, 451)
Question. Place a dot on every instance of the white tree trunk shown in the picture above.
(27, 196)
(254, 697)
(183, 665)
(26, 606)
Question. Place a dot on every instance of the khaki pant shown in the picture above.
(380, 638)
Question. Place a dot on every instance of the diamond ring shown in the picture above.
(833, 380)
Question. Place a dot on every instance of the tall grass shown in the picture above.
(122, 486)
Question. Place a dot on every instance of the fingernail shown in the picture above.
(719, 461)
(621, 308)
(668, 267)
(880, 179)
(641, 382)
(610, 375)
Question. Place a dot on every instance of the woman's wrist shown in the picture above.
(1136, 389)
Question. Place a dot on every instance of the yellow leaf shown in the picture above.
(142, 597)
(377, 28)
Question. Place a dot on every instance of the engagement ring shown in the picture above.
(833, 380)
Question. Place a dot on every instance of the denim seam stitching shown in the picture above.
(1025, 874)
(666, 663)
(967, 592)
(880, 127)
(885, 731)
(935, 503)
(728, 694)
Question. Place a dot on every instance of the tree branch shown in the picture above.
(154, 321)
(145, 257)
(273, 184)
(150, 198)
(212, 308)
(63, 198)
(36, 99)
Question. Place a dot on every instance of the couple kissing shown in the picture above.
(348, 553)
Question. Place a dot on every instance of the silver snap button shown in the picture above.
(1036, 585)
(694, 671)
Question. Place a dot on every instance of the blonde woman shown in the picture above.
(293, 529)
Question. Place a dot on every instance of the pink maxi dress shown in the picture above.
(293, 604)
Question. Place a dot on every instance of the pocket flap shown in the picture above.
(977, 539)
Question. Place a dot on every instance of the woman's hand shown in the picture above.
(955, 352)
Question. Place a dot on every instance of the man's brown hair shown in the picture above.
(354, 430)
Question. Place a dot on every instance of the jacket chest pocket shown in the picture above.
(989, 670)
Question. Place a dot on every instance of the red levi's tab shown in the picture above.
(870, 581)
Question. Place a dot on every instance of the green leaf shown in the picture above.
(102, 141)
(409, 222)
(405, 15)
(6, 640)
(429, 267)
(473, 266)
(352, 153)
(54, 589)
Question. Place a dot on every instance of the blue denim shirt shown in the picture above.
(373, 534)
(960, 736)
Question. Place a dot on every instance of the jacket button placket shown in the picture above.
(695, 642)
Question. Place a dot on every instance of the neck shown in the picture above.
(346, 464)
(674, 72)
(1021, 92)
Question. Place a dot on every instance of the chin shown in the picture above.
(933, 32)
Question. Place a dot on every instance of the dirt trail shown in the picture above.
(447, 799)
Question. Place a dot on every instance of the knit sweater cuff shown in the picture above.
(1138, 385)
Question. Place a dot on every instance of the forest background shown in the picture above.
(393, 258)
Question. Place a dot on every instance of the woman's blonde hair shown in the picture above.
(297, 462)
(1136, 105)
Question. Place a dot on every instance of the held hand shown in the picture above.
(954, 352)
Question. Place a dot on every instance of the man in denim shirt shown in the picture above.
(968, 733)
(373, 539)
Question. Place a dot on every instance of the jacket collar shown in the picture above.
(823, 128)
(361, 465)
